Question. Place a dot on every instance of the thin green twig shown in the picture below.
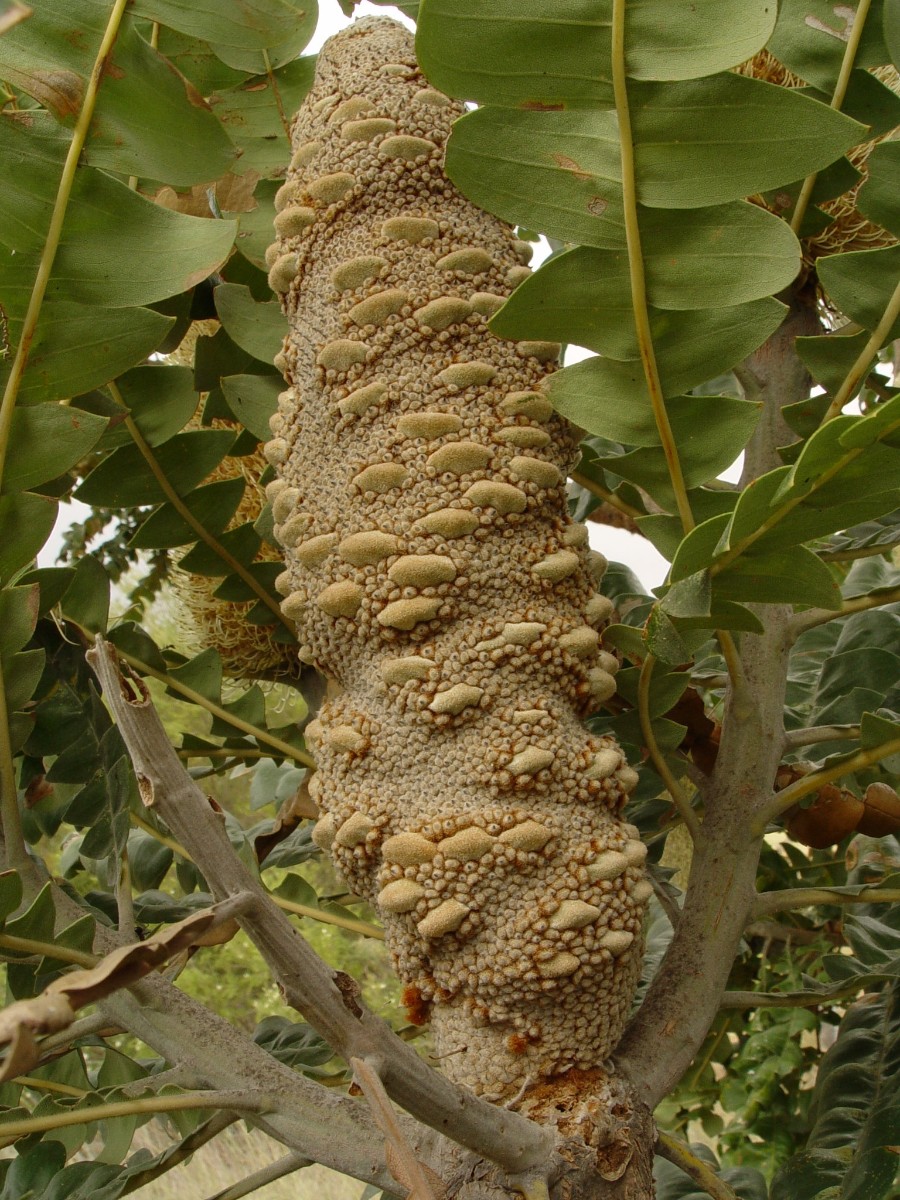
(864, 360)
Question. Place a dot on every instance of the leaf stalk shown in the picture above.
(636, 268)
(679, 799)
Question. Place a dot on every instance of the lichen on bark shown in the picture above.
(435, 576)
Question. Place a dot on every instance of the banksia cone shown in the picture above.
(435, 575)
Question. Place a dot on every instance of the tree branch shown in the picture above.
(702, 1173)
(326, 997)
(190, 1145)
(789, 796)
(747, 1000)
(813, 734)
(791, 899)
(821, 616)
(268, 1174)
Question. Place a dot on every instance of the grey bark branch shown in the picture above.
(685, 995)
(327, 998)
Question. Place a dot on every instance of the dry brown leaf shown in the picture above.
(55, 1007)
(233, 193)
(21, 1021)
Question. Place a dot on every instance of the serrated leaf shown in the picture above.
(124, 478)
(203, 674)
(213, 505)
(259, 329)
(45, 441)
(461, 43)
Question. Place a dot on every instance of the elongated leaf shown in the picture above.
(712, 140)
(257, 328)
(811, 35)
(587, 391)
(124, 478)
(830, 357)
(76, 347)
(861, 283)
(852, 1147)
(463, 46)
(254, 24)
(107, 225)
(584, 297)
(45, 440)
(879, 197)
(253, 399)
(212, 505)
(696, 145)
(148, 120)
(891, 29)
(26, 521)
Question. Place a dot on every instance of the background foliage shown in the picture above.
(138, 340)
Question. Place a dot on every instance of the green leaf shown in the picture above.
(124, 478)
(879, 197)
(202, 674)
(283, 50)
(830, 357)
(259, 329)
(852, 1146)
(76, 347)
(891, 29)
(21, 675)
(10, 893)
(107, 225)
(213, 505)
(161, 399)
(148, 120)
(26, 520)
(529, 53)
(254, 24)
(665, 687)
(19, 608)
(696, 145)
(584, 296)
(860, 283)
(32, 1173)
(45, 441)
(252, 116)
(86, 601)
(587, 391)
(242, 543)
(253, 399)
(811, 35)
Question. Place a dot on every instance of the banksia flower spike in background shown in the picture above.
(434, 573)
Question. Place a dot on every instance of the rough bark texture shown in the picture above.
(435, 575)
